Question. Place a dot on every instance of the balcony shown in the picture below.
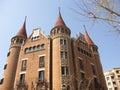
(41, 85)
(21, 85)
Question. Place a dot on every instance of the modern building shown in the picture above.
(52, 62)
(112, 78)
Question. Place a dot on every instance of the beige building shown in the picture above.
(112, 78)
(52, 62)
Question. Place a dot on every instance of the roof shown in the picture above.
(88, 39)
(22, 31)
(59, 21)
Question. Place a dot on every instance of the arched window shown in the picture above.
(34, 48)
(30, 49)
(38, 47)
(63, 87)
(42, 46)
(26, 50)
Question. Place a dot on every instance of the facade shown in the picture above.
(53, 62)
(112, 78)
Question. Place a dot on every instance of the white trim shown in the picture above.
(24, 59)
(80, 58)
(22, 72)
(41, 69)
(41, 55)
(92, 64)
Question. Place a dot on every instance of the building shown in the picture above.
(53, 62)
(112, 78)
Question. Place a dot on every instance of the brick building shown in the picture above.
(53, 62)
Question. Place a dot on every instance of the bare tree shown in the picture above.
(104, 10)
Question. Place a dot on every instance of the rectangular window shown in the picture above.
(41, 61)
(41, 76)
(93, 69)
(63, 42)
(63, 55)
(64, 71)
(82, 75)
(22, 78)
(95, 83)
(115, 88)
(81, 64)
(24, 64)
(112, 77)
(119, 77)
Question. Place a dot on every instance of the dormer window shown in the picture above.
(36, 34)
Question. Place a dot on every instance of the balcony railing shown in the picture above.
(21, 85)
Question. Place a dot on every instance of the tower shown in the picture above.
(61, 47)
(12, 59)
(97, 67)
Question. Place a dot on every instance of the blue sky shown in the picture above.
(43, 14)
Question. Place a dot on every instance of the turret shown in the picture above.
(60, 27)
(61, 43)
(12, 59)
(97, 62)
(89, 41)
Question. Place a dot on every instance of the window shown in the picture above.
(22, 78)
(63, 42)
(109, 83)
(42, 46)
(8, 54)
(41, 61)
(118, 76)
(63, 55)
(26, 50)
(1, 81)
(24, 64)
(93, 69)
(114, 83)
(62, 30)
(82, 75)
(115, 88)
(41, 76)
(95, 83)
(68, 87)
(112, 77)
(117, 71)
(81, 64)
(110, 88)
(64, 71)
(107, 78)
(5, 66)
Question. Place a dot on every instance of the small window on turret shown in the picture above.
(8, 54)
(1, 81)
(5, 66)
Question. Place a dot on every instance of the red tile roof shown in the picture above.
(59, 21)
(88, 39)
(22, 31)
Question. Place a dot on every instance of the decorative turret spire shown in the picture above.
(87, 38)
(22, 31)
(59, 21)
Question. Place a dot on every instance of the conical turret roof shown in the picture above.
(88, 39)
(59, 21)
(22, 31)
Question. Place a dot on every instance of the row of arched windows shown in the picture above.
(34, 48)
